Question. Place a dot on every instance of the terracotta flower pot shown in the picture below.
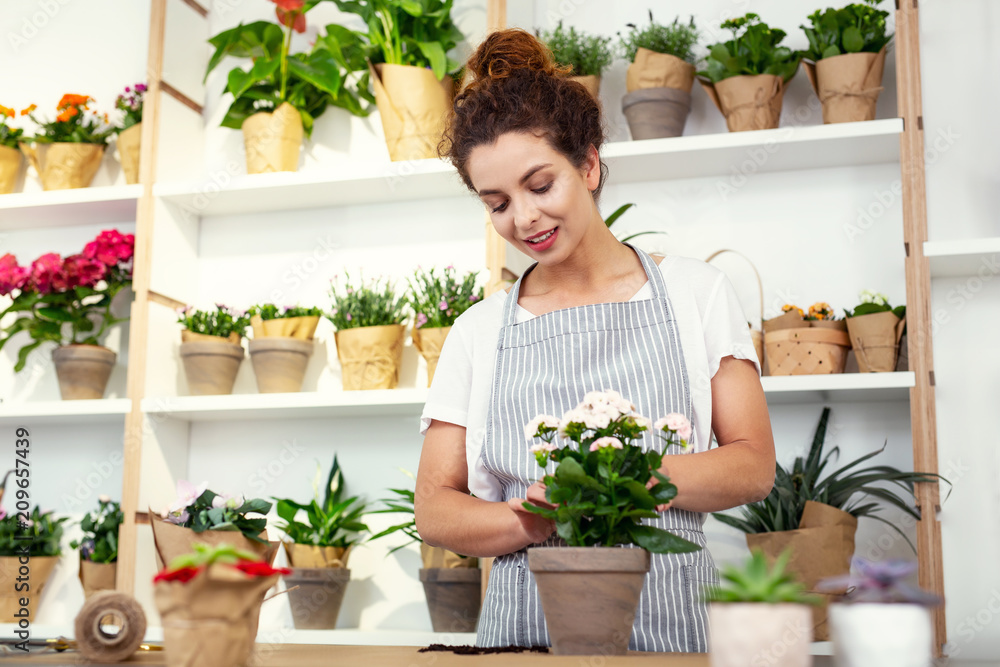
(591, 82)
(39, 570)
(319, 594)
(370, 356)
(210, 363)
(453, 597)
(128, 152)
(749, 102)
(875, 339)
(10, 169)
(279, 364)
(413, 106)
(273, 140)
(429, 341)
(778, 635)
(83, 370)
(63, 166)
(97, 577)
(656, 113)
(887, 635)
(589, 596)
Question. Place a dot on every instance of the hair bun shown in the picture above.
(505, 52)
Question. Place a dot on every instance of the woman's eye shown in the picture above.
(499, 208)
(542, 190)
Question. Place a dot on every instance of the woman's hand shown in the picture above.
(653, 481)
(536, 528)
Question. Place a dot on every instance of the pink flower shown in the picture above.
(47, 272)
(548, 421)
(348, 317)
(421, 320)
(110, 247)
(443, 305)
(83, 271)
(543, 447)
(675, 422)
(607, 441)
(187, 493)
(12, 276)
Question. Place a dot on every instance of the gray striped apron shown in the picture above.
(546, 365)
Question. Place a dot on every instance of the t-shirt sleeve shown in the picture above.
(448, 397)
(725, 324)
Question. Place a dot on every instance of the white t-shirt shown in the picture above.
(710, 322)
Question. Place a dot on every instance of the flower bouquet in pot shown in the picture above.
(876, 329)
(659, 78)
(746, 75)
(845, 59)
(281, 346)
(129, 103)
(67, 152)
(799, 343)
(318, 549)
(10, 156)
(437, 300)
(586, 55)
(369, 333)
(209, 600)
(277, 100)
(881, 620)
(602, 487)
(210, 348)
(757, 608)
(68, 301)
(201, 515)
(99, 546)
(452, 582)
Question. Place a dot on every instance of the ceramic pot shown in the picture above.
(211, 364)
(887, 635)
(279, 364)
(454, 596)
(83, 370)
(752, 633)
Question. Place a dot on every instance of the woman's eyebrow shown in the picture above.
(528, 174)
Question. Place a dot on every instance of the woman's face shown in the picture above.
(538, 201)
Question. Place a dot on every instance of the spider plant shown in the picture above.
(337, 522)
(401, 503)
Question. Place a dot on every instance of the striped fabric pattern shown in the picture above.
(546, 365)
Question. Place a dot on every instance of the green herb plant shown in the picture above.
(856, 28)
(874, 302)
(586, 54)
(334, 522)
(756, 582)
(222, 321)
(41, 535)
(369, 304)
(438, 299)
(100, 532)
(675, 39)
(754, 49)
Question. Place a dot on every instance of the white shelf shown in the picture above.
(839, 387)
(785, 148)
(304, 405)
(961, 258)
(63, 208)
(105, 410)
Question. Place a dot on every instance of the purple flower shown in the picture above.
(421, 320)
(443, 305)
(474, 298)
(349, 317)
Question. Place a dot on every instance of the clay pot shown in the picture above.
(83, 370)
(63, 166)
(128, 152)
(280, 363)
(316, 602)
(210, 363)
(453, 597)
(10, 600)
(589, 596)
(655, 113)
(273, 140)
(10, 169)
(740, 631)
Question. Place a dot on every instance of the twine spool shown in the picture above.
(97, 644)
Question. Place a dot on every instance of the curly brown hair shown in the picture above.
(517, 87)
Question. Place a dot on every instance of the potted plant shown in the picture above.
(452, 582)
(10, 156)
(277, 100)
(318, 550)
(845, 59)
(659, 78)
(68, 301)
(281, 346)
(130, 130)
(757, 608)
(201, 515)
(369, 334)
(746, 75)
(209, 600)
(437, 301)
(210, 348)
(67, 151)
(38, 532)
(586, 55)
(875, 329)
(411, 72)
(99, 546)
(798, 343)
(601, 489)
(816, 514)
(881, 620)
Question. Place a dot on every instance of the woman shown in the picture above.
(591, 314)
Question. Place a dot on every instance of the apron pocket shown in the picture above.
(696, 579)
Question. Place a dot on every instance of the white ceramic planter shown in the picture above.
(887, 635)
(777, 635)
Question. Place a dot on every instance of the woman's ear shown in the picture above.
(592, 169)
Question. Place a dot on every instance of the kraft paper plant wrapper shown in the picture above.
(191, 336)
(10, 168)
(413, 106)
(847, 85)
(875, 339)
(128, 152)
(302, 328)
(10, 600)
(273, 140)
(658, 70)
(370, 356)
(64, 166)
(429, 341)
(171, 541)
(310, 555)
(437, 557)
(97, 577)
(748, 102)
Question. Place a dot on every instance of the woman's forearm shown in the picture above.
(469, 526)
(720, 478)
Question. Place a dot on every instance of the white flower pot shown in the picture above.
(756, 633)
(887, 635)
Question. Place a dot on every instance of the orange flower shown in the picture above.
(25, 112)
(71, 100)
(821, 311)
(67, 114)
(6, 111)
(787, 308)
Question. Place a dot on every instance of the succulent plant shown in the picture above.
(756, 582)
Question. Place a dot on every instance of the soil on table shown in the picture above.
(484, 650)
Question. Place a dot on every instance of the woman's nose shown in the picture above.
(525, 214)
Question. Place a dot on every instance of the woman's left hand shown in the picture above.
(652, 482)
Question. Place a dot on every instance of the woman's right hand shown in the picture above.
(536, 528)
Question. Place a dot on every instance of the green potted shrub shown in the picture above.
(756, 608)
(746, 75)
(659, 78)
(277, 100)
(67, 152)
(99, 546)
(587, 55)
(281, 346)
(129, 103)
(846, 58)
(876, 329)
(369, 333)
(10, 156)
(437, 300)
(210, 348)
(318, 549)
(41, 534)
(814, 511)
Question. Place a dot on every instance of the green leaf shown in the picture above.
(659, 541)
(640, 495)
(55, 314)
(831, 51)
(321, 70)
(720, 53)
(852, 40)
(436, 56)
